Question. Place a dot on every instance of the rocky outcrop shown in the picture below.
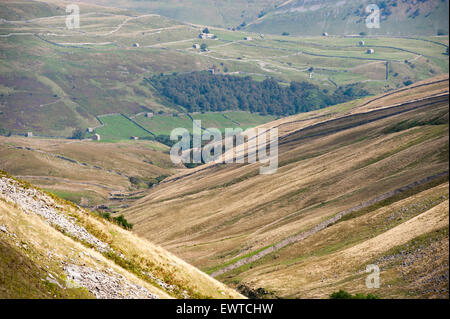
(33, 201)
(106, 284)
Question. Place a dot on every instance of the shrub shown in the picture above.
(135, 180)
(122, 222)
(408, 82)
(342, 294)
(78, 134)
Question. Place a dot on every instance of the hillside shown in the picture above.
(87, 173)
(50, 248)
(300, 17)
(397, 18)
(358, 183)
(207, 12)
(56, 80)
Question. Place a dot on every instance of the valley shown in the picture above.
(88, 187)
(330, 166)
(100, 69)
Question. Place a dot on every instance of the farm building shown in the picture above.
(325, 34)
(149, 115)
(206, 36)
(136, 45)
(29, 134)
(212, 71)
(362, 43)
(96, 137)
(248, 39)
(370, 51)
(90, 130)
(196, 46)
(135, 138)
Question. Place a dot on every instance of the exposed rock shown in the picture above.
(163, 284)
(33, 201)
(106, 284)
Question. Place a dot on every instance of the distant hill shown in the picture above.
(209, 12)
(302, 17)
(313, 17)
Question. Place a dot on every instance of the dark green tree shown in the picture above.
(78, 134)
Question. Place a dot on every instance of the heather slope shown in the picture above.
(331, 161)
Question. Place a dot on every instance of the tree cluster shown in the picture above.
(206, 92)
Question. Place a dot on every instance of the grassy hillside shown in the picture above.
(350, 161)
(119, 127)
(85, 172)
(96, 70)
(53, 249)
(208, 12)
(398, 18)
(300, 17)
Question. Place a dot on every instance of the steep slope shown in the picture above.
(50, 248)
(339, 162)
(82, 73)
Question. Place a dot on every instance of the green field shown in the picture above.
(164, 124)
(118, 127)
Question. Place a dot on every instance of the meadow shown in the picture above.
(118, 127)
